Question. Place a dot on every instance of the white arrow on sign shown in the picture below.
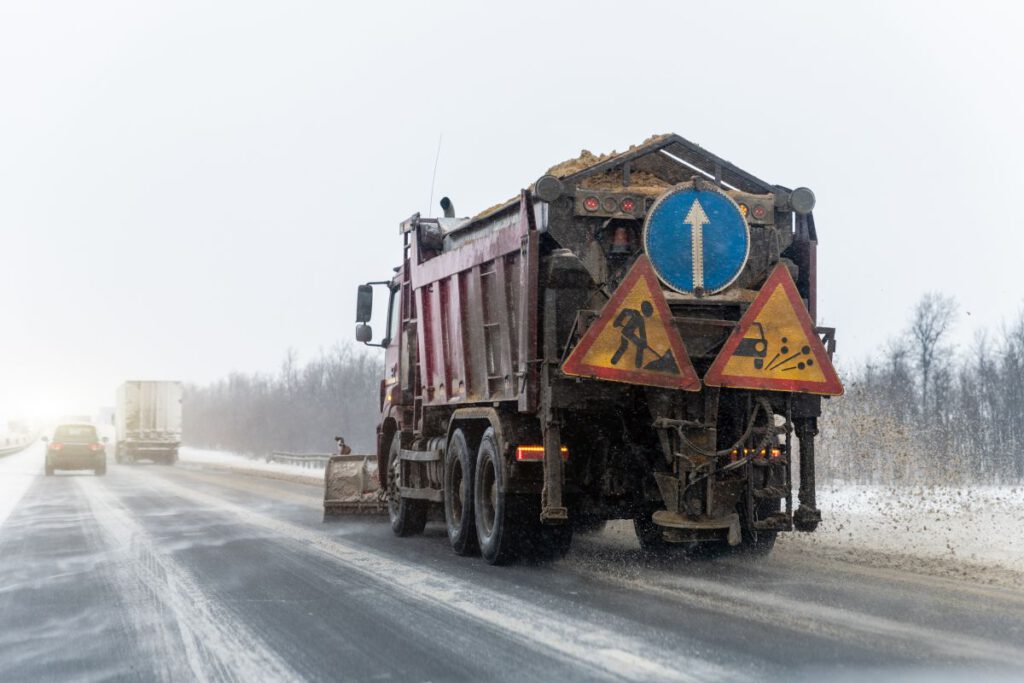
(697, 219)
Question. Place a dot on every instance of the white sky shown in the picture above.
(191, 188)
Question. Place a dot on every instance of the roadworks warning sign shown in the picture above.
(634, 339)
(774, 347)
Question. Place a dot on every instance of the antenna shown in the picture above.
(433, 178)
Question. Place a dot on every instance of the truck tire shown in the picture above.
(589, 526)
(649, 534)
(749, 546)
(101, 470)
(408, 517)
(499, 516)
(459, 465)
(538, 541)
(555, 541)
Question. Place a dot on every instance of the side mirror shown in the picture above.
(364, 305)
(105, 440)
(45, 439)
(364, 333)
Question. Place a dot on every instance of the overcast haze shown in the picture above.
(188, 189)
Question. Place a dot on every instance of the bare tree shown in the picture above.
(302, 408)
(933, 319)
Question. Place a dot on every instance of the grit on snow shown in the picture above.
(971, 532)
(949, 531)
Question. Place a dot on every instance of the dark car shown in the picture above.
(76, 447)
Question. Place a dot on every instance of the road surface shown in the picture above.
(183, 573)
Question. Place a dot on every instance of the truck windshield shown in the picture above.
(84, 433)
(393, 314)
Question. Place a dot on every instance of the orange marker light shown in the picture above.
(536, 453)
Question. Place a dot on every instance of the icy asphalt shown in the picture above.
(185, 573)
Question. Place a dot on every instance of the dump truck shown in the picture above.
(148, 421)
(631, 337)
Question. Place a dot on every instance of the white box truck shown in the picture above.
(148, 421)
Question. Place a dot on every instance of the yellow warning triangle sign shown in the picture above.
(634, 339)
(775, 347)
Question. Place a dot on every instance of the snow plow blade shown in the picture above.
(350, 486)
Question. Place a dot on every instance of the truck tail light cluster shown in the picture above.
(95, 446)
(535, 453)
(56, 446)
(756, 208)
(764, 453)
(611, 204)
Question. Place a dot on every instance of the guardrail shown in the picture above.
(310, 460)
(11, 449)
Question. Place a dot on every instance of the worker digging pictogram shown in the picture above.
(634, 339)
(634, 333)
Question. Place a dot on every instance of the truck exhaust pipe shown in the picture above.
(447, 207)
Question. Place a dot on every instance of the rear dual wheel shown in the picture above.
(508, 525)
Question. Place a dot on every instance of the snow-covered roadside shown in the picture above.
(974, 532)
(257, 466)
(17, 472)
(944, 531)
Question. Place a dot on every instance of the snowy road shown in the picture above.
(157, 573)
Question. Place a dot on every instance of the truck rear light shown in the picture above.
(627, 205)
(535, 453)
(591, 204)
(772, 453)
(759, 212)
(743, 209)
(95, 447)
(56, 446)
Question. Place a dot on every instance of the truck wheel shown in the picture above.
(649, 534)
(101, 470)
(765, 540)
(748, 547)
(458, 495)
(589, 526)
(498, 515)
(538, 541)
(555, 539)
(408, 517)
(759, 548)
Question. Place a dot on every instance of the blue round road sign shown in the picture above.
(696, 239)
